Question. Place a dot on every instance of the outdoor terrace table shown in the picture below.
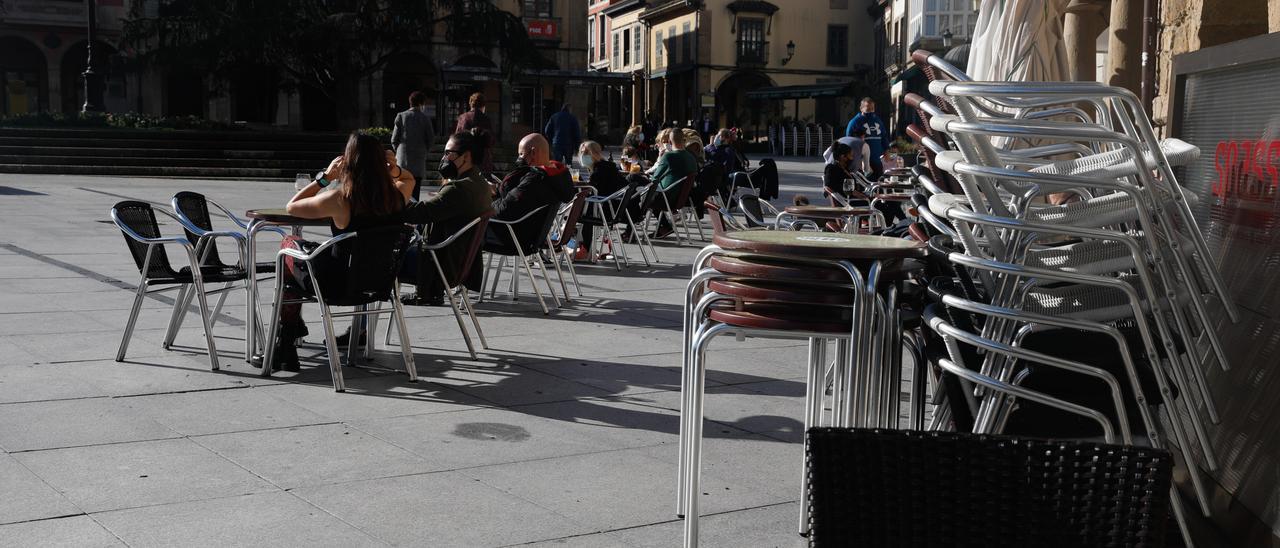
(846, 215)
(260, 219)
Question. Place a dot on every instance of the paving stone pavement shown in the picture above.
(562, 433)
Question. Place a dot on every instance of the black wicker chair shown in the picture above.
(911, 488)
(354, 269)
(194, 213)
(137, 221)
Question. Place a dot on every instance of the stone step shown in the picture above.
(273, 163)
(154, 171)
(167, 153)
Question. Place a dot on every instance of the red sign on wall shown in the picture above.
(543, 29)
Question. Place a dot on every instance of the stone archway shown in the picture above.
(733, 109)
(74, 61)
(406, 73)
(24, 85)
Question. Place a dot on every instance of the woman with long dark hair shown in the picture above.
(362, 188)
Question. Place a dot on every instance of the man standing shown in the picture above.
(874, 134)
(565, 134)
(412, 137)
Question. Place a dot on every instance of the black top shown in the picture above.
(833, 178)
(606, 177)
(528, 188)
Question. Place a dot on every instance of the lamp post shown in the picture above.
(947, 38)
(93, 84)
(791, 52)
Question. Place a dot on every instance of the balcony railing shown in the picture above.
(753, 52)
(893, 59)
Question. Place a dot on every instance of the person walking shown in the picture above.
(412, 137)
(478, 120)
(874, 133)
(565, 134)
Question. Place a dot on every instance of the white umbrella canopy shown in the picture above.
(1019, 41)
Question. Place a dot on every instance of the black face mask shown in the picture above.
(521, 162)
(448, 169)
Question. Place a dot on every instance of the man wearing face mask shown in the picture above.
(722, 152)
(463, 197)
(536, 181)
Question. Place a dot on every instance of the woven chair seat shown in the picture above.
(1119, 163)
(1085, 302)
(1088, 257)
(211, 274)
(909, 488)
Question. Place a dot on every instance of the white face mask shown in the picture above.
(586, 161)
(641, 136)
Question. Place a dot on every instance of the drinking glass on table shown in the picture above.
(301, 180)
(576, 174)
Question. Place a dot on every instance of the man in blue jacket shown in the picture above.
(875, 134)
(565, 134)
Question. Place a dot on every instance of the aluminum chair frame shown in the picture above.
(143, 285)
(524, 259)
(608, 222)
(327, 315)
(463, 295)
(564, 222)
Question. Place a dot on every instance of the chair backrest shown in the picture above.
(717, 221)
(750, 206)
(909, 488)
(570, 228)
(362, 268)
(195, 208)
(686, 187)
(141, 219)
(473, 246)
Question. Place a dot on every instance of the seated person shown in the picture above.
(464, 196)
(606, 178)
(721, 152)
(537, 181)
(632, 160)
(693, 145)
(841, 161)
(674, 165)
(365, 189)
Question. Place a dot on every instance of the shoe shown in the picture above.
(285, 356)
(345, 338)
(626, 235)
(663, 232)
(581, 254)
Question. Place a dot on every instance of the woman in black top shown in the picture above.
(363, 188)
(606, 178)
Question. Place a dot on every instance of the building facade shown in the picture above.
(749, 63)
(42, 54)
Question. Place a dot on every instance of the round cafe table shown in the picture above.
(846, 215)
(259, 220)
(819, 245)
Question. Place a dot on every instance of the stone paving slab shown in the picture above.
(27, 497)
(131, 475)
(265, 519)
(71, 532)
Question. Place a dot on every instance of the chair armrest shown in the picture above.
(453, 237)
(162, 240)
(243, 224)
(307, 257)
(526, 216)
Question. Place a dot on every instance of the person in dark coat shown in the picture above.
(477, 119)
(565, 134)
(412, 137)
(537, 181)
(464, 196)
(606, 178)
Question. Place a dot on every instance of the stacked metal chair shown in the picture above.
(1124, 253)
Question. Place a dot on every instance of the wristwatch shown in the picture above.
(320, 180)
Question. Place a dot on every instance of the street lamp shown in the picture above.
(791, 51)
(947, 38)
(93, 84)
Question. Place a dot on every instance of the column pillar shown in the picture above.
(1083, 22)
(1124, 48)
(637, 99)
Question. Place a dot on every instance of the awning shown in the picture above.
(807, 91)
(571, 77)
